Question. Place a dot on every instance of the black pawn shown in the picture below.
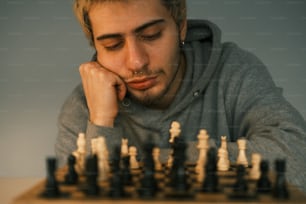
(264, 183)
(211, 180)
(92, 188)
(51, 187)
(179, 177)
(241, 185)
(71, 177)
(280, 189)
(116, 183)
(126, 172)
(148, 187)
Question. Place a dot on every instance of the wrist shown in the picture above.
(105, 122)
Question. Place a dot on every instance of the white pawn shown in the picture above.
(203, 145)
(223, 142)
(157, 163)
(174, 131)
(170, 159)
(93, 146)
(102, 153)
(242, 159)
(254, 173)
(80, 154)
(223, 160)
(133, 160)
(124, 147)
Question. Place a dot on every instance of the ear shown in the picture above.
(183, 30)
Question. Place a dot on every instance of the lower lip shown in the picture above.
(142, 85)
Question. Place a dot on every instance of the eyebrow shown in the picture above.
(137, 30)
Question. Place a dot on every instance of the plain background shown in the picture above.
(41, 46)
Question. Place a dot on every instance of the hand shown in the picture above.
(102, 89)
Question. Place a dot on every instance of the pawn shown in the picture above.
(263, 183)
(211, 180)
(241, 185)
(223, 161)
(255, 170)
(92, 173)
(116, 182)
(80, 154)
(203, 146)
(174, 131)
(71, 177)
(124, 147)
(51, 187)
(126, 171)
(280, 189)
(134, 164)
(156, 155)
(242, 158)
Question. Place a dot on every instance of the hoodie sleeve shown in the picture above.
(273, 127)
(72, 120)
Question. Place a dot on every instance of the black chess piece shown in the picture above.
(264, 184)
(179, 177)
(71, 177)
(241, 185)
(91, 172)
(211, 181)
(51, 187)
(116, 182)
(126, 172)
(148, 187)
(280, 188)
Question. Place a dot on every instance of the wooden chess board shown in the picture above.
(73, 194)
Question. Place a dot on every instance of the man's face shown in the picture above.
(139, 41)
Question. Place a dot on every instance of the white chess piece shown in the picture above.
(254, 173)
(170, 159)
(174, 131)
(134, 164)
(157, 163)
(124, 147)
(223, 142)
(223, 160)
(80, 154)
(242, 159)
(93, 146)
(203, 146)
(102, 153)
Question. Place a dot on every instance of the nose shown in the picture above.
(137, 57)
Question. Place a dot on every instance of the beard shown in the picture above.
(149, 99)
(156, 98)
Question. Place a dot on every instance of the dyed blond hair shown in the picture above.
(177, 9)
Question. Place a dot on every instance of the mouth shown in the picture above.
(142, 83)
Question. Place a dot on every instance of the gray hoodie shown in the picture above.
(226, 90)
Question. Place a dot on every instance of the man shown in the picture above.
(153, 67)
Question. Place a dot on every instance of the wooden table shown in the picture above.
(11, 188)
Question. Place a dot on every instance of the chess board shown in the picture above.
(165, 194)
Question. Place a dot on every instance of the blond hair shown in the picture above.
(177, 9)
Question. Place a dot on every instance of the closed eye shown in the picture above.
(151, 37)
(114, 47)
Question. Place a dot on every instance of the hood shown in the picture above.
(202, 51)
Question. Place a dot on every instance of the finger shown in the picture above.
(121, 89)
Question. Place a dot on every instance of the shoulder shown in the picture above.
(242, 64)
